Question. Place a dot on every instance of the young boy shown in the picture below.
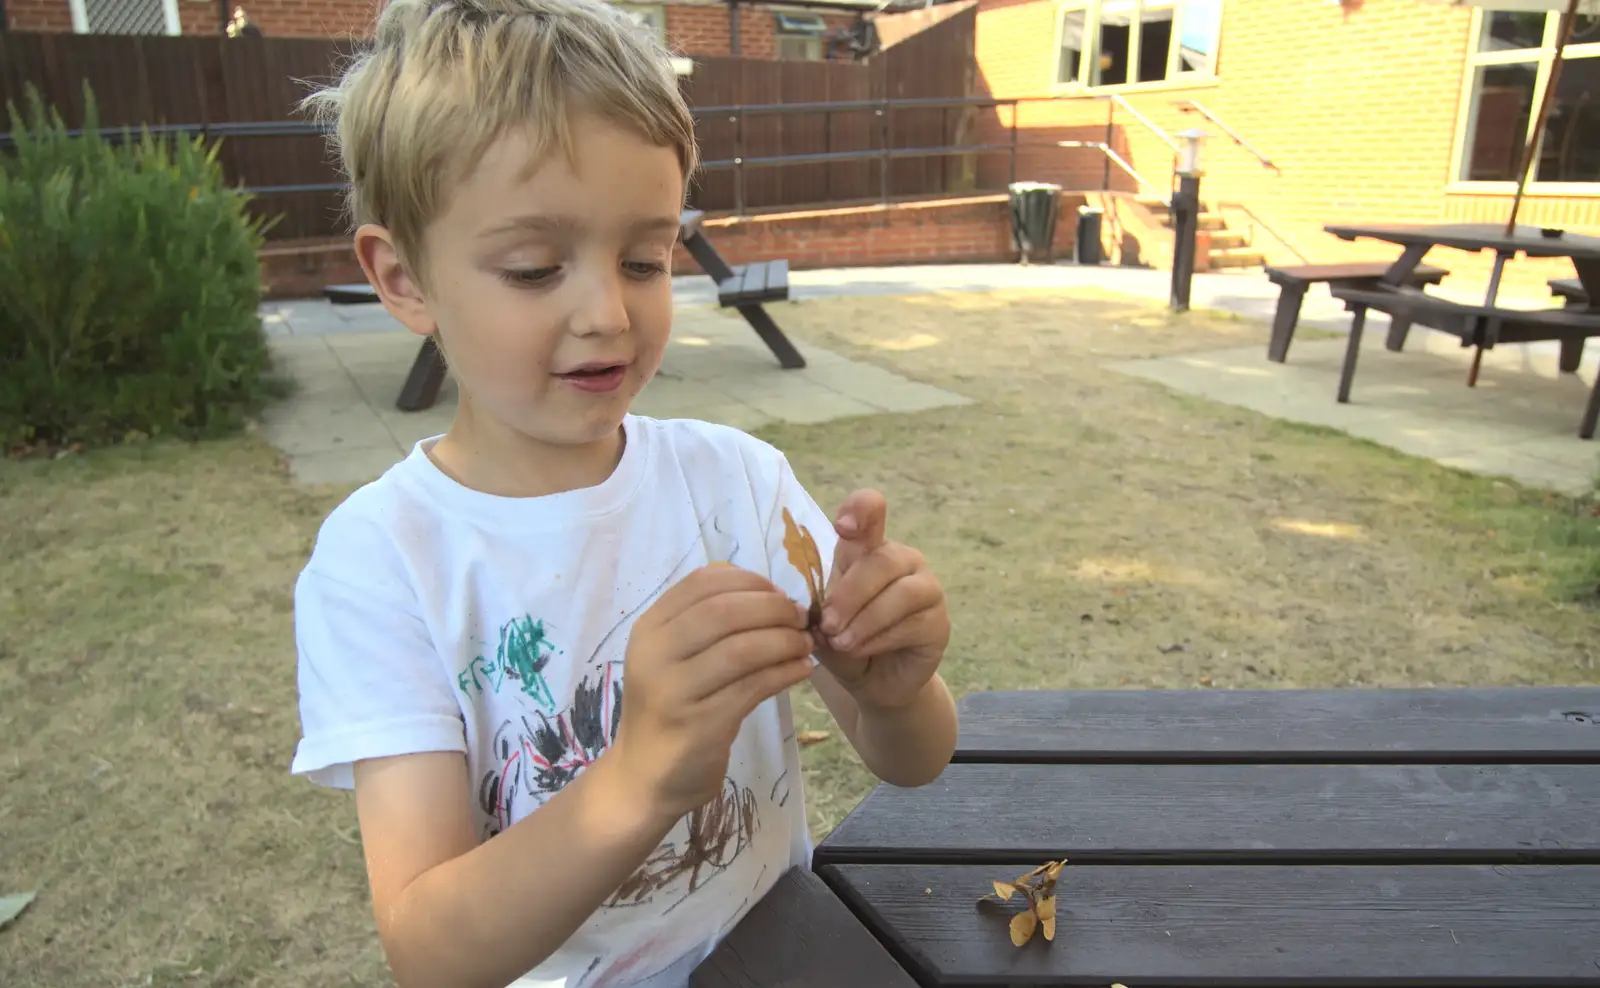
(562, 710)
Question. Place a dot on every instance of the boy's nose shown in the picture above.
(601, 310)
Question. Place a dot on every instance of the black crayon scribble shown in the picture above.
(717, 833)
(782, 780)
(538, 758)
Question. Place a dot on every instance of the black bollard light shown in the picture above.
(1186, 218)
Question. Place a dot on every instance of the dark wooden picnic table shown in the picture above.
(1244, 838)
(1418, 239)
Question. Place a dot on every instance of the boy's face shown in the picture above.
(550, 286)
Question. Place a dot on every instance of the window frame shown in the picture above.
(169, 13)
(1542, 58)
(1089, 55)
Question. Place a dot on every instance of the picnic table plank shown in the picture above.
(1481, 726)
(800, 934)
(1215, 814)
(1462, 926)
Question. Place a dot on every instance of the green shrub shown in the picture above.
(129, 288)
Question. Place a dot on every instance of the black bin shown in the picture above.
(1088, 250)
(1035, 207)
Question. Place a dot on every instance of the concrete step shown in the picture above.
(1237, 259)
(1224, 240)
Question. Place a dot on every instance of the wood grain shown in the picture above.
(1445, 725)
(1246, 926)
(1214, 814)
(800, 936)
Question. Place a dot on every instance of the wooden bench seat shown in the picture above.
(1475, 325)
(754, 284)
(1296, 280)
(350, 294)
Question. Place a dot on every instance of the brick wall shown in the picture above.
(38, 15)
(1358, 108)
(692, 28)
(704, 29)
(279, 18)
(947, 231)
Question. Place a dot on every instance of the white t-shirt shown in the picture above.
(432, 617)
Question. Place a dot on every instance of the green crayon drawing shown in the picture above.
(523, 653)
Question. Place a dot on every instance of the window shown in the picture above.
(125, 16)
(799, 36)
(1507, 75)
(1105, 43)
(649, 16)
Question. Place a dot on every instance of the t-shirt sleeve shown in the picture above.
(371, 681)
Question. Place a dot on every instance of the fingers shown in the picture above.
(750, 692)
(858, 586)
(758, 656)
(863, 518)
(704, 583)
(926, 627)
(728, 614)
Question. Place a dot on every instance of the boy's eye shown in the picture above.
(645, 269)
(530, 276)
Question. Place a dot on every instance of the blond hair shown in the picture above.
(444, 79)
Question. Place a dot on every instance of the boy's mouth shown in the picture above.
(595, 378)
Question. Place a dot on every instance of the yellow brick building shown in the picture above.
(1409, 111)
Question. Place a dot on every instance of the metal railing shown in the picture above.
(1189, 105)
(884, 152)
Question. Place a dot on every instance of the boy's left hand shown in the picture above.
(884, 622)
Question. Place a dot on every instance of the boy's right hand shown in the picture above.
(699, 661)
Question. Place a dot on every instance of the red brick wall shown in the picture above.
(1358, 109)
(941, 232)
(694, 29)
(278, 18)
(38, 15)
(704, 29)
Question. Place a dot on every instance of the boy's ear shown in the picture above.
(396, 288)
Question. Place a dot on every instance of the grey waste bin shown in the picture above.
(1087, 250)
(1034, 210)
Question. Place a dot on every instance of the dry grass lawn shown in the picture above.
(1092, 531)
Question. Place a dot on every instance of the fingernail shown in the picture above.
(845, 641)
(830, 621)
(804, 612)
(847, 525)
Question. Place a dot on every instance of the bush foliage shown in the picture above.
(129, 288)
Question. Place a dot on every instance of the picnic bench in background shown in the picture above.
(746, 287)
(1354, 837)
(1572, 295)
(1482, 326)
(1295, 281)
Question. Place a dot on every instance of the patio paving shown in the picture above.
(342, 426)
(1520, 422)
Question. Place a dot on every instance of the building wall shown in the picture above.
(1358, 107)
(705, 29)
(692, 28)
(280, 18)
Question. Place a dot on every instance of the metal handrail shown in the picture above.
(1185, 105)
(1117, 100)
(1117, 159)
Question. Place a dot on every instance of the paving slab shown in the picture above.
(1520, 421)
(341, 425)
